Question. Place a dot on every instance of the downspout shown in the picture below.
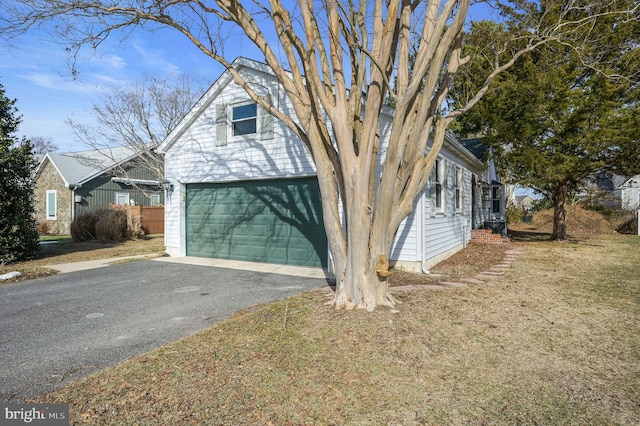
(423, 237)
(73, 187)
(464, 235)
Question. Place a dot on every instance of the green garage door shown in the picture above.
(273, 221)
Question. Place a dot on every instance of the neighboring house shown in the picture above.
(244, 187)
(67, 185)
(602, 190)
(525, 202)
(630, 193)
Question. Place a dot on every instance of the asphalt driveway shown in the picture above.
(56, 329)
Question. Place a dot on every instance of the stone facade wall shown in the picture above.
(49, 179)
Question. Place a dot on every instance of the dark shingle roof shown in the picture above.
(476, 147)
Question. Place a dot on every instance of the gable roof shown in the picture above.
(632, 182)
(82, 166)
(214, 90)
(207, 98)
(476, 147)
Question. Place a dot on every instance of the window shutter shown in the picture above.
(266, 122)
(432, 191)
(221, 125)
(445, 186)
(266, 125)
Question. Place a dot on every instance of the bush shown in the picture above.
(104, 224)
(18, 233)
(515, 214)
(83, 227)
(18, 240)
(628, 223)
(43, 228)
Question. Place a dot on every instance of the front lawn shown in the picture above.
(553, 341)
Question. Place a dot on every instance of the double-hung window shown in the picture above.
(237, 122)
(495, 199)
(439, 186)
(244, 119)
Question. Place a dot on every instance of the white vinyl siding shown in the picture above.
(52, 204)
(206, 150)
(200, 156)
(630, 193)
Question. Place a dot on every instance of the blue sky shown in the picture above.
(36, 72)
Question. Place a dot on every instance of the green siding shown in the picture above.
(100, 191)
(273, 221)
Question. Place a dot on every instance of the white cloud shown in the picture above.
(153, 59)
(112, 61)
(59, 83)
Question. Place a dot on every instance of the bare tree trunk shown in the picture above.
(560, 212)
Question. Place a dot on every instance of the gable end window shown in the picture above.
(241, 120)
(52, 204)
(244, 119)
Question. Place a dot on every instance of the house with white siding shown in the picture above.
(630, 193)
(240, 185)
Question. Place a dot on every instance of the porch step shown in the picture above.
(487, 236)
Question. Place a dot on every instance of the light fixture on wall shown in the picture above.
(167, 185)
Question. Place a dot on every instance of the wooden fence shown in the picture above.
(151, 218)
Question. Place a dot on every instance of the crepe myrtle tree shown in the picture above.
(336, 60)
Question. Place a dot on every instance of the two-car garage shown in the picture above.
(273, 221)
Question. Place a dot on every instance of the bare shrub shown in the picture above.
(42, 228)
(105, 224)
(83, 227)
(627, 223)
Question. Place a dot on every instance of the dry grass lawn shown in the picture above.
(67, 251)
(553, 341)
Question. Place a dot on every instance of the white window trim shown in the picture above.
(55, 204)
(494, 199)
(231, 122)
(155, 199)
(118, 194)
